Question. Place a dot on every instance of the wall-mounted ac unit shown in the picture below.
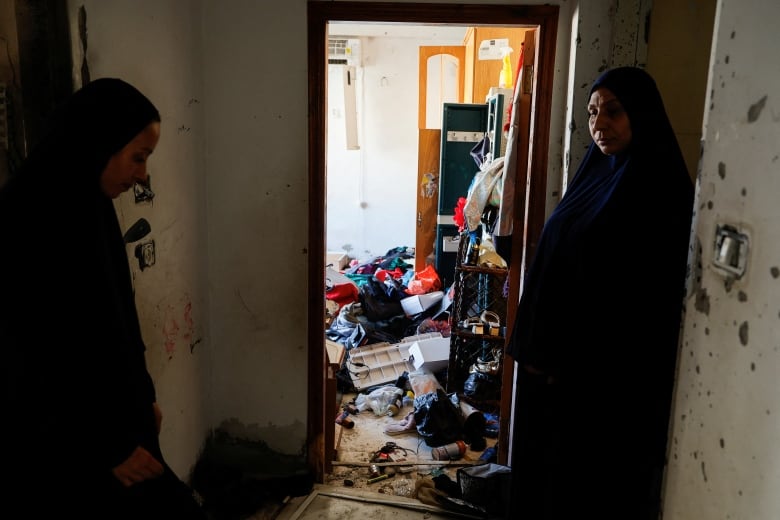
(344, 51)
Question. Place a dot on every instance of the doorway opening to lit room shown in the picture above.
(400, 96)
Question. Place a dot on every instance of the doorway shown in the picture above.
(529, 203)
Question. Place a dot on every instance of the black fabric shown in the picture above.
(380, 301)
(482, 387)
(75, 383)
(438, 419)
(599, 318)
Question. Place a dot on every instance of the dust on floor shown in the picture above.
(411, 458)
(352, 491)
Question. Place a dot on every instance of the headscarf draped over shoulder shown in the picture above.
(598, 241)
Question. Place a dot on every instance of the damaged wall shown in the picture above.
(224, 307)
(155, 46)
(724, 461)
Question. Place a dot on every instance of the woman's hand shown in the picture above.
(139, 466)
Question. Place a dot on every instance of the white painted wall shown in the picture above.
(254, 64)
(372, 191)
(724, 460)
(153, 45)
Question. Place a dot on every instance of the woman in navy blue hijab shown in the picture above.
(596, 333)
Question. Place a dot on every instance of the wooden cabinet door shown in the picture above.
(481, 75)
(429, 144)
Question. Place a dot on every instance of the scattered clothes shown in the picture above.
(403, 426)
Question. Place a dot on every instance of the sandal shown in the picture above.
(473, 325)
(492, 322)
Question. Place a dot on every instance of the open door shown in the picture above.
(441, 80)
(529, 200)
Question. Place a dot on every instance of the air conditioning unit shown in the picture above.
(344, 51)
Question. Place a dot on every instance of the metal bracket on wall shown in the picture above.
(145, 254)
(731, 249)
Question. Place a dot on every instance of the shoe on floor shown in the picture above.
(408, 424)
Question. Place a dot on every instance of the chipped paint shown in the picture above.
(702, 303)
(743, 333)
(754, 112)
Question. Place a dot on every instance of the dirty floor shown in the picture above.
(404, 488)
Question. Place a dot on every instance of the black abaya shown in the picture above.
(596, 333)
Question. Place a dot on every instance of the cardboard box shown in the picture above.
(421, 302)
(338, 260)
(431, 354)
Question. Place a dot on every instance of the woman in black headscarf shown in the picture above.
(596, 333)
(82, 422)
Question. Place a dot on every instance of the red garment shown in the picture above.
(382, 274)
(343, 293)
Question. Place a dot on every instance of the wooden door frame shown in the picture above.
(528, 220)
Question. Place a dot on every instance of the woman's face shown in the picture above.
(608, 122)
(128, 165)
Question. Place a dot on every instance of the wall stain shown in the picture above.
(743, 333)
(742, 296)
(702, 303)
(774, 271)
(703, 471)
(288, 438)
(755, 110)
(722, 170)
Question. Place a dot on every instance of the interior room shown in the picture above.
(369, 142)
(253, 202)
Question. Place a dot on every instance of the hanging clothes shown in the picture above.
(507, 207)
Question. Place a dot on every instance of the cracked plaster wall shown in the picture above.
(724, 461)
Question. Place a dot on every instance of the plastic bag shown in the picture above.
(379, 400)
(438, 419)
(482, 387)
(424, 281)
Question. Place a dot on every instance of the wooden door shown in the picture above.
(428, 149)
